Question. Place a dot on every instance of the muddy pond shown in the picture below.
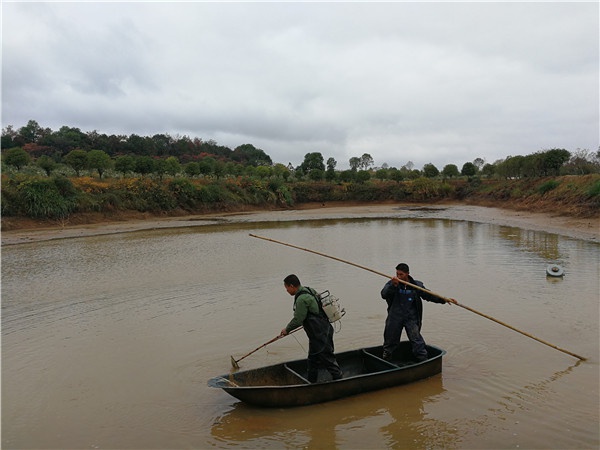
(108, 341)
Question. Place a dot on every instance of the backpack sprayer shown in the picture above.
(331, 306)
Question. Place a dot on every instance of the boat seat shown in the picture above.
(296, 374)
(380, 361)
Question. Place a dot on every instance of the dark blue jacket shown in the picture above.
(392, 295)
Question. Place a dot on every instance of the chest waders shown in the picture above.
(403, 313)
(320, 343)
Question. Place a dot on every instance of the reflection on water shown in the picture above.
(108, 341)
(396, 418)
(543, 244)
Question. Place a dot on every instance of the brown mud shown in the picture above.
(24, 230)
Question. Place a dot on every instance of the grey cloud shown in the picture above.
(429, 82)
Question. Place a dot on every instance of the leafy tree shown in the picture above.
(488, 170)
(248, 154)
(511, 167)
(410, 174)
(362, 176)
(395, 174)
(249, 171)
(32, 132)
(312, 161)
(113, 144)
(162, 144)
(366, 161)
(16, 157)
(125, 164)
(330, 172)
(46, 163)
(430, 171)
(532, 165)
(76, 159)
(160, 167)
(581, 162)
(98, 160)
(479, 162)
(9, 136)
(450, 170)
(264, 171)
(469, 169)
(192, 169)
(554, 159)
(382, 174)
(172, 166)
(354, 163)
(138, 145)
(233, 168)
(207, 165)
(348, 176)
(316, 174)
(219, 169)
(331, 163)
(65, 140)
(280, 170)
(145, 165)
(415, 174)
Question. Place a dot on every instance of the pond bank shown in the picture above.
(578, 228)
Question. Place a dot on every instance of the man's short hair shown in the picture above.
(292, 280)
(403, 267)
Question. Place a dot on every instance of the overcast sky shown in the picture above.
(422, 82)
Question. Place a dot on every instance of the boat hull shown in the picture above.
(285, 384)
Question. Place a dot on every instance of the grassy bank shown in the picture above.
(47, 201)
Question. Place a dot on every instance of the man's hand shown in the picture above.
(451, 300)
(283, 333)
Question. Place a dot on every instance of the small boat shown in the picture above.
(286, 384)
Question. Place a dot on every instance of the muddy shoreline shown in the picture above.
(578, 228)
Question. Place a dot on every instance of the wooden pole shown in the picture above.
(234, 362)
(448, 300)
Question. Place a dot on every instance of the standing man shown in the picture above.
(309, 314)
(405, 310)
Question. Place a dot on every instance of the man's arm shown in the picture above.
(299, 313)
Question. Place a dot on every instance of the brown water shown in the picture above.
(108, 341)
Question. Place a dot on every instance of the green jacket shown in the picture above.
(304, 303)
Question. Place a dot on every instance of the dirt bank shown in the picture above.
(578, 228)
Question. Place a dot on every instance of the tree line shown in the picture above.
(69, 151)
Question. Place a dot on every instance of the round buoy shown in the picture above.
(554, 270)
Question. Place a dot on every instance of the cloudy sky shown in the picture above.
(422, 82)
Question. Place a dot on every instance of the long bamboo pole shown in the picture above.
(448, 300)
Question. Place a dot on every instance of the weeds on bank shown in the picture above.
(57, 197)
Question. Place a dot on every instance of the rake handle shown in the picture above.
(264, 345)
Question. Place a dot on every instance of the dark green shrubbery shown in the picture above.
(594, 190)
(548, 186)
(56, 197)
(37, 197)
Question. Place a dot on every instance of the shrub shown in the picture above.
(548, 186)
(184, 192)
(53, 198)
(594, 190)
(214, 193)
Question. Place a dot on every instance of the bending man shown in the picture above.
(309, 314)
